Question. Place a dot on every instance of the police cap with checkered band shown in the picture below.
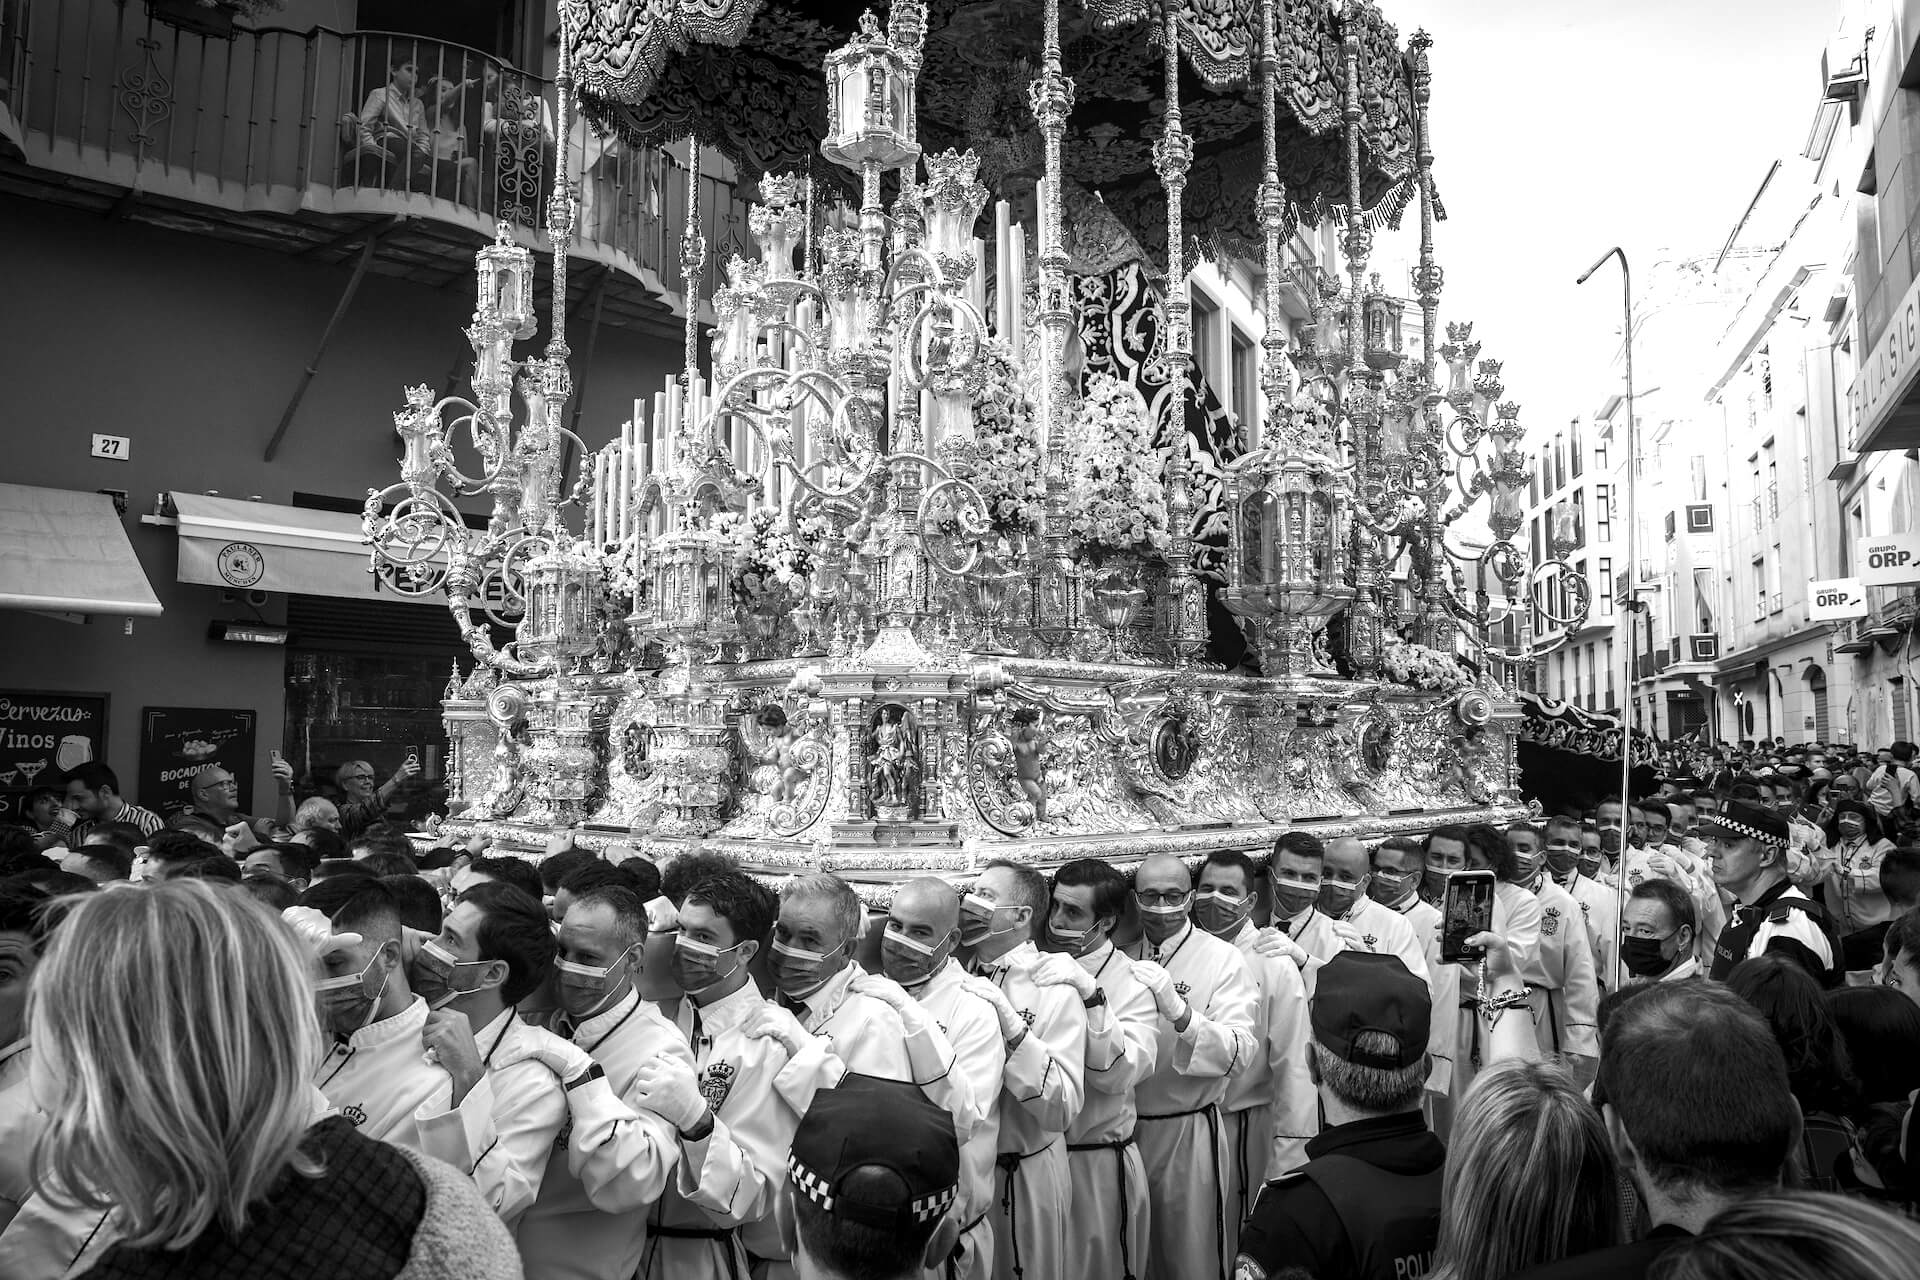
(882, 1127)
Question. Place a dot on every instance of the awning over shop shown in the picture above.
(258, 546)
(62, 551)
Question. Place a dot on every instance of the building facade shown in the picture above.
(1571, 508)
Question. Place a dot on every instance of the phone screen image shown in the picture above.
(1466, 910)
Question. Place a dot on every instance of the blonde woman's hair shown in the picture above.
(1796, 1235)
(1531, 1176)
(175, 1027)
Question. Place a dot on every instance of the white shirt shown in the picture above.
(1123, 1044)
(521, 1108)
(1194, 1065)
(736, 1176)
(380, 1080)
(1443, 1034)
(865, 1035)
(1381, 931)
(1045, 1077)
(1563, 965)
(1600, 908)
(980, 1055)
(566, 1235)
(1279, 1077)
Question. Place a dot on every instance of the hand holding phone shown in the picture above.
(1465, 910)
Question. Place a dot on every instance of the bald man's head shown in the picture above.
(1162, 871)
(930, 900)
(1348, 854)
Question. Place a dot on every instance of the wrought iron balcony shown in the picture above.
(300, 141)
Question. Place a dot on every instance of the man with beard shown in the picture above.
(1562, 970)
(1108, 1232)
(1270, 1106)
(1599, 903)
(376, 1075)
(916, 951)
(592, 1223)
(756, 1072)
(1207, 1002)
(1399, 871)
(1045, 1032)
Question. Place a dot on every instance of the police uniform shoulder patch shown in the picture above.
(716, 1082)
(355, 1115)
(1550, 922)
(1780, 913)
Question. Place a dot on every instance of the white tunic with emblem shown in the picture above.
(973, 1028)
(1272, 1107)
(1567, 991)
(1108, 1233)
(1181, 1138)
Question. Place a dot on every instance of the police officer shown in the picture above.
(1367, 1202)
(1748, 844)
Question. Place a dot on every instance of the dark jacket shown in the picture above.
(1621, 1262)
(1296, 1227)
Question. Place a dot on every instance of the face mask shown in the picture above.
(1390, 888)
(796, 973)
(1338, 899)
(585, 990)
(1610, 839)
(1221, 914)
(434, 972)
(1076, 942)
(1589, 862)
(1851, 824)
(345, 1000)
(1527, 865)
(1433, 884)
(1643, 957)
(696, 964)
(909, 962)
(976, 919)
(1562, 857)
(1294, 896)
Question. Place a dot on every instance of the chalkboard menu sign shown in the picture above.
(178, 742)
(42, 736)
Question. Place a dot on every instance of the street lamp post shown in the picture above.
(1624, 619)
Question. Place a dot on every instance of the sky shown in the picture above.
(1562, 129)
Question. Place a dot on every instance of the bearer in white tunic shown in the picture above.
(1599, 903)
(1399, 866)
(1108, 1232)
(1566, 994)
(1207, 1002)
(1270, 1107)
(1045, 1032)
(1321, 907)
(916, 951)
(589, 1221)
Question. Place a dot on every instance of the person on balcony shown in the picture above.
(388, 140)
(456, 173)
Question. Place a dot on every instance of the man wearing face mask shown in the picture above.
(592, 1223)
(1657, 939)
(1593, 858)
(753, 1063)
(1561, 971)
(1399, 870)
(1320, 899)
(375, 1074)
(1610, 819)
(916, 951)
(1207, 1002)
(495, 948)
(871, 1025)
(1269, 1107)
(1599, 904)
(1044, 1029)
(1108, 1231)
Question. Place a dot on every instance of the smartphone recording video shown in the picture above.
(1466, 910)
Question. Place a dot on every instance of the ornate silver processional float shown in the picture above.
(902, 582)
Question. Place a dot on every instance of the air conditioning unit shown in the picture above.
(1843, 68)
(1703, 648)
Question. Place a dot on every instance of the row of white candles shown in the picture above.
(643, 446)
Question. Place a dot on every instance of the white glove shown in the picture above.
(1276, 945)
(771, 1022)
(890, 993)
(1350, 937)
(312, 927)
(1172, 1005)
(667, 1087)
(562, 1057)
(1064, 971)
(1011, 1023)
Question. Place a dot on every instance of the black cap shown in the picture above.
(1745, 820)
(1360, 991)
(875, 1125)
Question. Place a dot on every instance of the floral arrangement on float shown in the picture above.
(1420, 667)
(1002, 460)
(776, 554)
(1115, 505)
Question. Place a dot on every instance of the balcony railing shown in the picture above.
(275, 122)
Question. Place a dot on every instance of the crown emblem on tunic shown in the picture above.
(355, 1116)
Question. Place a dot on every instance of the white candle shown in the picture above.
(599, 523)
(1002, 271)
(1017, 290)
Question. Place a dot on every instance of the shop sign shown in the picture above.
(1836, 599)
(42, 737)
(1889, 369)
(178, 742)
(1889, 559)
